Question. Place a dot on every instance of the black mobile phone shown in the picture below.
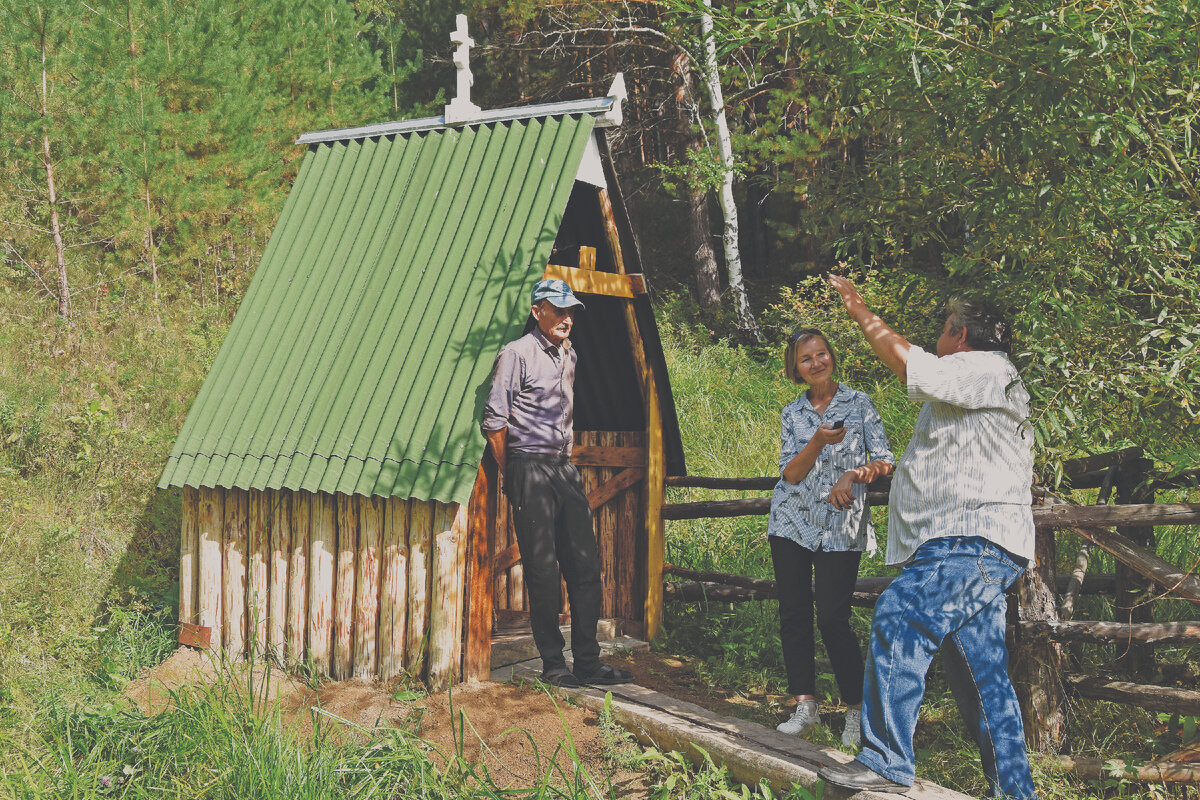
(838, 425)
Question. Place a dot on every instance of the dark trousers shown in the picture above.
(554, 530)
(836, 573)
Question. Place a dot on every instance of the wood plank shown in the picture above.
(500, 576)
(459, 597)
(609, 284)
(212, 521)
(587, 257)
(281, 551)
(506, 557)
(711, 509)
(420, 550)
(368, 571)
(766, 483)
(614, 485)
(1151, 698)
(629, 531)
(481, 514)
(189, 554)
(1067, 516)
(257, 592)
(297, 582)
(597, 456)
(1141, 561)
(393, 608)
(322, 569)
(1078, 466)
(1119, 632)
(606, 526)
(233, 578)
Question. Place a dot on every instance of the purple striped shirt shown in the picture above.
(533, 395)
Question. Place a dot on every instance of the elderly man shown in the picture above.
(959, 520)
(528, 422)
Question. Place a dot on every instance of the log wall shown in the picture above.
(362, 587)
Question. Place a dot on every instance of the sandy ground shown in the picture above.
(517, 732)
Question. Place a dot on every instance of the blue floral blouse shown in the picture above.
(802, 511)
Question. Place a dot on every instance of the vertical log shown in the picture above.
(481, 517)
(233, 595)
(1132, 603)
(628, 530)
(420, 546)
(297, 602)
(281, 549)
(499, 542)
(189, 555)
(368, 571)
(1037, 662)
(459, 597)
(322, 565)
(212, 521)
(258, 605)
(441, 607)
(393, 608)
(343, 589)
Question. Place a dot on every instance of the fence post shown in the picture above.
(1037, 662)
(1132, 602)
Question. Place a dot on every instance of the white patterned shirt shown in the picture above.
(969, 467)
(801, 511)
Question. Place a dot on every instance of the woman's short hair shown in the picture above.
(987, 325)
(799, 337)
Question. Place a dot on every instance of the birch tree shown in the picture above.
(733, 255)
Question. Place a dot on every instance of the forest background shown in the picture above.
(1044, 153)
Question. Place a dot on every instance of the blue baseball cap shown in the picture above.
(557, 292)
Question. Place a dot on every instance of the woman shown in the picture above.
(833, 445)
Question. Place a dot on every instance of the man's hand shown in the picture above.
(841, 496)
(891, 347)
(850, 296)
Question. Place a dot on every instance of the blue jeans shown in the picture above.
(951, 592)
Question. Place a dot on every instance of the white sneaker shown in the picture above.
(802, 719)
(852, 735)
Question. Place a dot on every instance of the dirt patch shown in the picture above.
(519, 733)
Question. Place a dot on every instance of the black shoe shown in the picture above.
(859, 777)
(604, 675)
(561, 678)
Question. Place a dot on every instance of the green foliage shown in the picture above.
(1044, 154)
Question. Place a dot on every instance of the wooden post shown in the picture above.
(369, 570)
(322, 564)
(212, 520)
(189, 547)
(420, 541)
(297, 602)
(233, 595)
(481, 516)
(281, 549)
(1132, 604)
(441, 609)
(343, 590)
(1037, 662)
(393, 600)
(258, 604)
(629, 533)
(655, 457)
(458, 610)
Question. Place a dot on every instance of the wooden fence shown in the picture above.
(1043, 602)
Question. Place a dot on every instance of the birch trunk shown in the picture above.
(733, 256)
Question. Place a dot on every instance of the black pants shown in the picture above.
(554, 530)
(836, 573)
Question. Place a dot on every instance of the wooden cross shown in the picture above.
(461, 109)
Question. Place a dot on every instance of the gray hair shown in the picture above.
(987, 326)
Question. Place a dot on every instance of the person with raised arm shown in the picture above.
(960, 522)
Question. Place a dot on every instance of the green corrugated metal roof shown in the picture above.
(359, 358)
